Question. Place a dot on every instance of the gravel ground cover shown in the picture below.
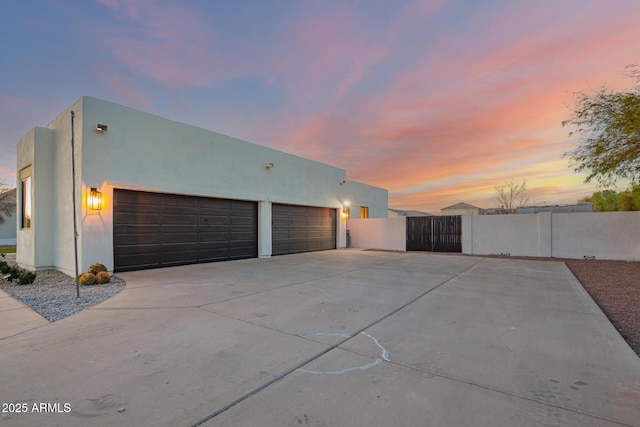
(53, 294)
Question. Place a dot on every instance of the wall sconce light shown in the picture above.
(346, 211)
(94, 199)
(101, 127)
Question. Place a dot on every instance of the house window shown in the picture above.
(364, 212)
(25, 197)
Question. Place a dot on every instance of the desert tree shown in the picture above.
(512, 194)
(7, 203)
(608, 123)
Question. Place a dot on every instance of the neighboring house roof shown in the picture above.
(411, 213)
(496, 211)
(580, 207)
(461, 205)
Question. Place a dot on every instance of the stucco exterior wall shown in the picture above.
(33, 247)
(603, 235)
(379, 233)
(140, 151)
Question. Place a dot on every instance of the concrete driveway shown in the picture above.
(336, 338)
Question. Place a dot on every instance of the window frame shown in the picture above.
(26, 191)
(364, 212)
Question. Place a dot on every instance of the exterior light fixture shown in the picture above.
(94, 199)
(269, 165)
(346, 211)
(101, 127)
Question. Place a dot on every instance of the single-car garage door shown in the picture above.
(302, 229)
(153, 230)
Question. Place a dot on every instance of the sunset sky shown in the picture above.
(437, 101)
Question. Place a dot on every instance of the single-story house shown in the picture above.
(152, 192)
(8, 218)
(396, 213)
(580, 207)
(462, 209)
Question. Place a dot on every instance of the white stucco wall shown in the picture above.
(34, 245)
(379, 233)
(144, 152)
(604, 235)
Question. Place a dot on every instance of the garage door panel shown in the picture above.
(175, 200)
(133, 218)
(137, 198)
(302, 229)
(244, 236)
(179, 257)
(211, 255)
(179, 238)
(180, 219)
(242, 220)
(221, 236)
(139, 250)
(190, 229)
(138, 262)
(137, 239)
(212, 220)
(222, 204)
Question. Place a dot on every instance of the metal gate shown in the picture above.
(434, 233)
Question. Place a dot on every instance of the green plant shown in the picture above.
(103, 277)
(87, 279)
(97, 268)
(15, 271)
(26, 277)
(4, 267)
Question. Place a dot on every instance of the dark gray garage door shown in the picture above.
(302, 229)
(153, 230)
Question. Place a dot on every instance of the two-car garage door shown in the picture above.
(302, 229)
(152, 230)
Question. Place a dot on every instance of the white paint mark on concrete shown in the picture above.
(326, 334)
(384, 354)
(343, 371)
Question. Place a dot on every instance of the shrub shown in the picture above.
(103, 277)
(26, 277)
(4, 267)
(87, 279)
(15, 271)
(97, 268)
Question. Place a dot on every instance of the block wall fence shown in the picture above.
(603, 235)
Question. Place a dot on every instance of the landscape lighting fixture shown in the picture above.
(94, 199)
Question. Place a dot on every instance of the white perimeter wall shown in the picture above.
(603, 235)
(379, 233)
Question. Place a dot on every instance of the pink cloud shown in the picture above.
(126, 91)
(170, 43)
